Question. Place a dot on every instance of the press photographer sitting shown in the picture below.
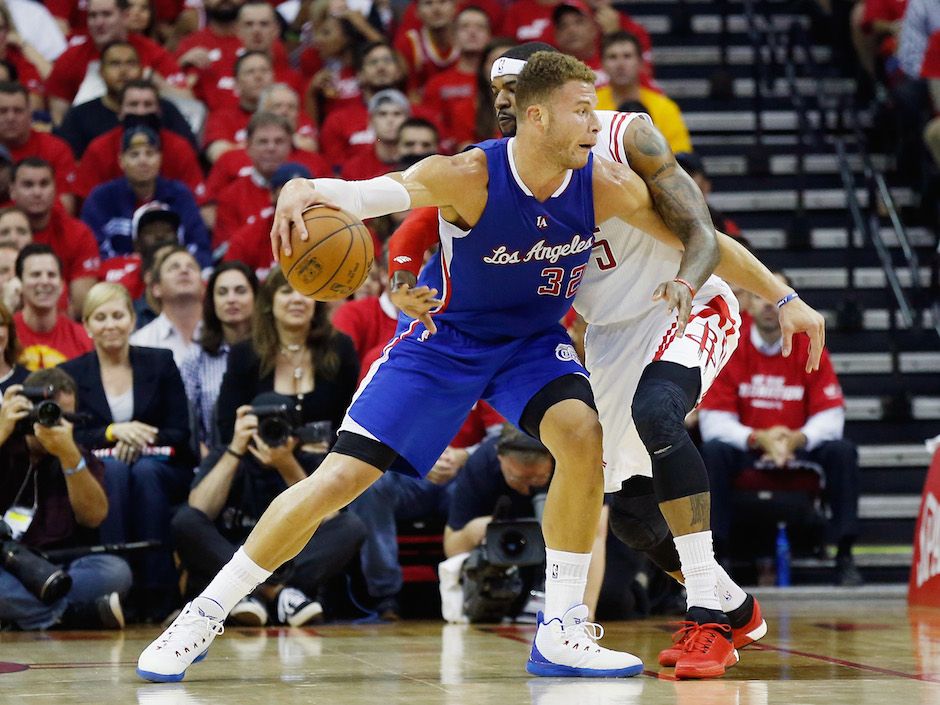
(52, 496)
(294, 359)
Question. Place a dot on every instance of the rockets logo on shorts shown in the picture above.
(566, 353)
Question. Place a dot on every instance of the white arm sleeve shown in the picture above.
(723, 426)
(366, 199)
(824, 426)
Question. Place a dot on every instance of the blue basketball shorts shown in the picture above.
(417, 395)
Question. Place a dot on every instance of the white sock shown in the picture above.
(730, 594)
(698, 568)
(237, 578)
(565, 579)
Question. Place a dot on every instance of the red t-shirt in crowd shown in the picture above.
(73, 242)
(100, 163)
(28, 74)
(251, 244)
(422, 58)
(884, 11)
(229, 124)
(236, 162)
(366, 165)
(766, 391)
(345, 133)
(125, 270)
(215, 84)
(367, 323)
(452, 96)
(931, 66)
(66, 340)
(74, 12)
(54, 150)
(69, 69)
(345, 84)
(242, 202)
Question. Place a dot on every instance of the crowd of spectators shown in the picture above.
(142, 149)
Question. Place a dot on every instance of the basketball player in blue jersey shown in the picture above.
(517, 223)
(635, 362)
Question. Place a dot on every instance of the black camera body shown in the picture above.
(276, 422)
(48, 582)
(492, 584)
(45, 411)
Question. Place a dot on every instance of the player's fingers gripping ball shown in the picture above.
(334, 260)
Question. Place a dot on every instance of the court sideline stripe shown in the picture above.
(848, 664)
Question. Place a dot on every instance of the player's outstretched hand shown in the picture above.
(417, 302)
(677, 296)
(296, 196)
(798, 317)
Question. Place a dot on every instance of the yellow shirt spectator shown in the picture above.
(665, 114)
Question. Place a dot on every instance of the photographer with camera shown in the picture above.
(52, 497)
(137, 419)
(284, 392)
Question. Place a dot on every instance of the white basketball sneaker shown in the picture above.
(183, 643)
(567, 647)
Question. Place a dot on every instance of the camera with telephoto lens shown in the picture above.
(48, 582)
(276, 422)
(45, 411)
(492, 583)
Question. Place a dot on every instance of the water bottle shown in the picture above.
(783, 556)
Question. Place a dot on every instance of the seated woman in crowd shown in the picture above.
(296, 358)
(10, 372)
(226, 320)
(136, 410)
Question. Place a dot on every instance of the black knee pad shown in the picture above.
(664, 395)
(635, 517)
(571, 386)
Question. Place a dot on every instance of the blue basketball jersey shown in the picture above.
(518, 269)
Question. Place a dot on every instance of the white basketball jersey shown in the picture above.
(626, 264)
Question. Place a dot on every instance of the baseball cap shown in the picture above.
(139, 135)
(691, 162)
(389, 95)
(286, 172)
(152, 212)
(571, 6)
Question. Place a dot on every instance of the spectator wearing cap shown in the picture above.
(77, 67)
(248, 198)
(140, 105)
(31, 66)
(153, 226)
(345, 131)
(226, 128)
(251, 243)
(19, 137)
(110, 207)
(178, 287)
(622, 60)
(452, 94)
(429, 49)
(578, 34)
(694, 167)
(47, 337)
(388, 109)
(120, 65)
(33, 190)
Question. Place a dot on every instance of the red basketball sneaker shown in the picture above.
(747, 626)
(708, 651)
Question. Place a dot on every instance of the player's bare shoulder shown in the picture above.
(618, 191)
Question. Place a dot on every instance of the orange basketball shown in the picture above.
(335, 259)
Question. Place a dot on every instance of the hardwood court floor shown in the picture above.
(845, 652)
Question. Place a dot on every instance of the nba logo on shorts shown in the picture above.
(541, 222)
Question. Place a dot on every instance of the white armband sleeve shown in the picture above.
(366, 199)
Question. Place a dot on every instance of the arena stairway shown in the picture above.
(686, 53)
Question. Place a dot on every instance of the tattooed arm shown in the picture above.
(676, 197)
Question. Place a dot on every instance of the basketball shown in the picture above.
(335, 259)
